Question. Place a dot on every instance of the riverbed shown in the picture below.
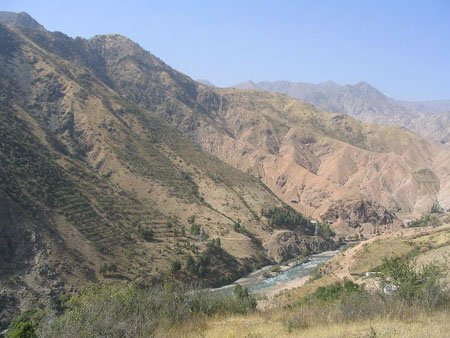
(265, 281)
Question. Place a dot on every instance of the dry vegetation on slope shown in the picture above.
(93, 186)
(334, 166)
(429, 119)
(326, 164)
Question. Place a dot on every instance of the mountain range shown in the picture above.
(114, 165)
(430, 119)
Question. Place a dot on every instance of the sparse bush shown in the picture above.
(195, 229)
(275, 268)
(190, 264)
(105, 268)
(191, 219)
(146, 233)
(421, 286)
(202, 264)
(436, 208)
(425, 220)
(137, 312)
(418, 292)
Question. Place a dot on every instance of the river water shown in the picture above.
(259, 282)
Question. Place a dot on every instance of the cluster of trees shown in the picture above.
(284, 217)
(425, 220)
(197, 267)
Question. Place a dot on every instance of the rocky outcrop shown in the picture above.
(290, 244)
(358, 212)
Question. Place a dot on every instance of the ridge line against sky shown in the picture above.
(400, 47)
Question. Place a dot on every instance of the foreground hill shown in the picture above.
(430, 119)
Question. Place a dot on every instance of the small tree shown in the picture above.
(190, 264)
(175, 266)
(146, 233)
(195, 229)
(413, 284)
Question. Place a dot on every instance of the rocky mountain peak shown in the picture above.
(22, 20)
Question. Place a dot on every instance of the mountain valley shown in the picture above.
(116, 167)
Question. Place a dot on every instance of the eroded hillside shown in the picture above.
(93, 185)
(326, 165)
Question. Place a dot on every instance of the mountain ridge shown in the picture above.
(430, 119)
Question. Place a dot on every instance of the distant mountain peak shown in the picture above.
(365, 86)
(206, 82)
(329, 82)
(22, 20)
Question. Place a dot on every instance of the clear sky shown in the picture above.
(400, 47)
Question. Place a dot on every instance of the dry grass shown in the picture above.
(261, 325)
(372, 254)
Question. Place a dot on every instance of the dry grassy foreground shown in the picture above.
(276, 319)
(259, 325)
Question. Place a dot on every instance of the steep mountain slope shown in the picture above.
(93, 185)
(325, 165)
(430, 119)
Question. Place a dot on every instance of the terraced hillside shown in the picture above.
(94, 186)
(326, 165)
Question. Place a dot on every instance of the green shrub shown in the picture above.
(425, 220)
(146, 233)
(241, 302)
(22, 330)
(25, 325)
(196, 229)
(348, 302)
(190, 264)
(213, 245)
(336, 291)
(175, 266)
(326, 231)
(414, 285)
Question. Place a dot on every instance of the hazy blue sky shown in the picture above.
(401, 47)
